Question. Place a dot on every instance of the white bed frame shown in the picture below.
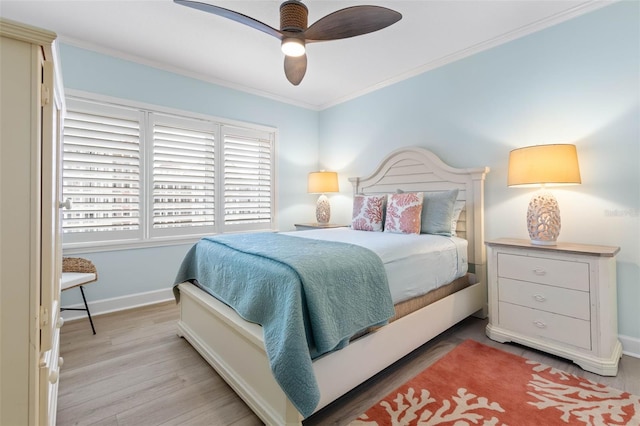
(235, 347)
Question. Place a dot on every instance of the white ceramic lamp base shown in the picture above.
(323, 209)
(543, 219)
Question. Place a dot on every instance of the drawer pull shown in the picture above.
(539, 271)
(540, 324)
(539, 298)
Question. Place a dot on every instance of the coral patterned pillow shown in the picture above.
(367, 212)
(404, 212)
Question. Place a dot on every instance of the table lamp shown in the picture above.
(543, 165)
(320, 183)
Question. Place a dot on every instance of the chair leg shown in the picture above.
(87, 308)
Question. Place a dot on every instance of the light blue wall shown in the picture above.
(577, 82)
(144, 270)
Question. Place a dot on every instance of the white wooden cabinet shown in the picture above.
(30, 245)
(560, 299)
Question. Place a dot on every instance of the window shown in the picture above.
(183, 176)
(101, 172)
(136, 175)
(248, 180)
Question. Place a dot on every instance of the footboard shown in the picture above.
(235, 348)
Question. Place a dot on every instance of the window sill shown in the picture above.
(103, 246)
(81, 248)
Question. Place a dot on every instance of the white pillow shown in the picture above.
(457, 210)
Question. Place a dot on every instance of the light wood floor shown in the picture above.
(136, 371)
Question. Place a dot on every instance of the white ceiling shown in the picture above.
(166, 35)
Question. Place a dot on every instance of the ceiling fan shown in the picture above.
(294, 33)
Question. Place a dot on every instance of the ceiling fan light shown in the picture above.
(292, 46)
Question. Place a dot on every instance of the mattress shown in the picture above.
(415, 264)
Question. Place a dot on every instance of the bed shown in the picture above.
(236, 348)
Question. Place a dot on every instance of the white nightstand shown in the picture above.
(560, 299)
(312, 225)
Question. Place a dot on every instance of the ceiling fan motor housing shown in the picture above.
(293, 16)
(294, 33)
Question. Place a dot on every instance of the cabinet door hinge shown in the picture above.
(44, 316)
(44, 95)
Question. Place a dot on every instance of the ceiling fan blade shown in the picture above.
(350, 22)
(294, 68)
(234, 16)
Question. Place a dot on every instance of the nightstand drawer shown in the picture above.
(545, 325)
(561, 273)
(571, 303)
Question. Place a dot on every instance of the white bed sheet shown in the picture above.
(415, 264)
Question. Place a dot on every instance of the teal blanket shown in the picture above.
(310, 297)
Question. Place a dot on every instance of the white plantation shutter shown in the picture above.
(139, 177)
(183, 175)
(101, 171)
(248, 179)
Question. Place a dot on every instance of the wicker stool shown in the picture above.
(77, 272)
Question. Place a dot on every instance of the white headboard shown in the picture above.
(418, 169)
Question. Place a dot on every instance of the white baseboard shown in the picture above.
(630, 346)
(105, 306)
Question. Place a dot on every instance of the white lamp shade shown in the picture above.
(544, 164)
(322, 182)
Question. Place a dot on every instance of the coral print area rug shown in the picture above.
(475, 384)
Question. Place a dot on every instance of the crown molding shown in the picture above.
(445, 60)
(479, 47)
(24, 32)
(181, 71)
